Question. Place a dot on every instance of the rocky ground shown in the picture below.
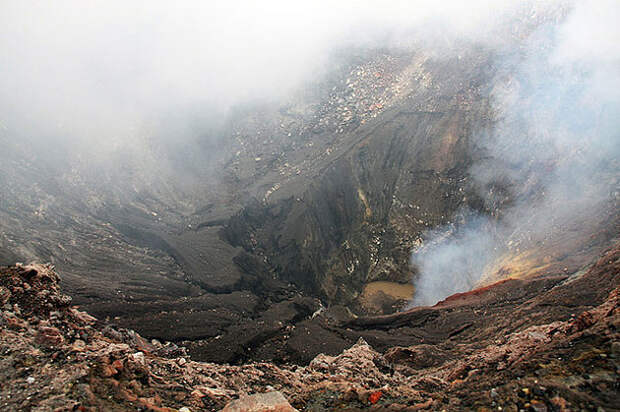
(264, 261)
(306, 203)
(543, 344)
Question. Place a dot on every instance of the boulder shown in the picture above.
(261, 402)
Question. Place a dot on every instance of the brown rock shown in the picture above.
(84, 391)
(49, 336)
(5, 295)
(117, 364)
(423, 405)
(78, 346)
(150, 404)
(197, 394)
(108, 370)
(260, 402)
(417, 357)
(83, 316)
(538, 406)
(127, 395)
(15, 323)
(560, 403)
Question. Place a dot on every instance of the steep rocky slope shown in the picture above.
(314, 194)
(297, 206)
(545, 344)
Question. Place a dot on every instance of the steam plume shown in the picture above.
(556, 144)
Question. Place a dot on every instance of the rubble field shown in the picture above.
(545, 344)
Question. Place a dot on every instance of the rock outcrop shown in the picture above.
(556, 349)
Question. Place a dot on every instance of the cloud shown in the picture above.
(555, 145)
(97, 73)
(149, 80)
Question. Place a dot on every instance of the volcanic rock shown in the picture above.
(260, 402)
(526, 354)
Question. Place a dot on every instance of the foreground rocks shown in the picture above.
(268, 401)
(56, 357)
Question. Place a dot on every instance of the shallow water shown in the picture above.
(393, 289)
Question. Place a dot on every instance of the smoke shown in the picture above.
(452, 257)
(555, 147)
(101, 83)
(99, 77)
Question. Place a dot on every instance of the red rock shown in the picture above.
(117, 364)
(375, 396)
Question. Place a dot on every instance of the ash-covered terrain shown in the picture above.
(298, 213)
(516, 345)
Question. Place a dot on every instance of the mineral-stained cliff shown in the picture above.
(544, 344)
